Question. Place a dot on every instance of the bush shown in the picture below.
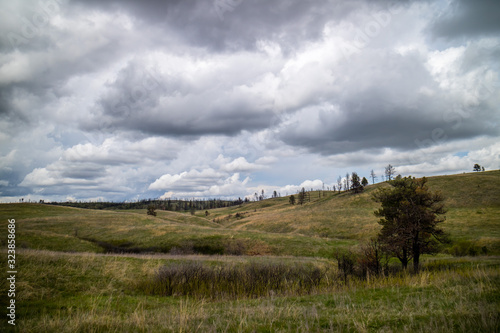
(346, 262)
(248, 280)
(151, 210)
(467, 248)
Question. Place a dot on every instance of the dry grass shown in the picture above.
(97, 293)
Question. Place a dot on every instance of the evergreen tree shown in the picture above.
(364, 182)
(151, 210)
(356, 183)
(410, 215)
(302, 196)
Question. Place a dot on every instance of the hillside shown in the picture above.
(273, 226)
(472, 199)
(65, 283)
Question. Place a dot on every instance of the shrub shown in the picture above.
(466, 248)
(151, 210)
(248, 280)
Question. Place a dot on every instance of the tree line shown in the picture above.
(160, 204)
(351, 182)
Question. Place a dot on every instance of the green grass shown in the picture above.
(271, 226)
(99, 293)
(65, 282)
(80, 230)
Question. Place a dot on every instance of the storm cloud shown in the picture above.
(120, 100)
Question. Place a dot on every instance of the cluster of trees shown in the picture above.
(478, 168)
(302, 196)
(262, 196)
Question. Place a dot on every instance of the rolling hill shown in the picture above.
(273, 226)
(65, 283)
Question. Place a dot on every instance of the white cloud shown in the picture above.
(197, 184)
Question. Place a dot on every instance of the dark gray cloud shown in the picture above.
(107, 98)
(464, 18)
(390, 100)
(150, 102)
(231, 25)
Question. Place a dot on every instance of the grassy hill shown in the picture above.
(273, 226)
(65, 283)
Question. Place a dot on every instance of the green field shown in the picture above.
(92, 270)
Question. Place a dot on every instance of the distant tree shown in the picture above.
(389, 172)
(302, 196)
(373, 175)
(410, 215)
(347, 183)
(477, 167)
(339, 183)
(275, 194)
(364, 181)
(356, 183)
(292, 200)
(482, 168)
(151, 210)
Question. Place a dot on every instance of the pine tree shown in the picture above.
(355, 183)
(410, 215)
(364, 182)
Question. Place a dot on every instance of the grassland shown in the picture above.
(68, 283)
(98, 293)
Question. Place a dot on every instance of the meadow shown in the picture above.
(124, 271)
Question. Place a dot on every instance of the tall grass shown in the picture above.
(99, 293)
(249, 280)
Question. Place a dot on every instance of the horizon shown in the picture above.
(119, 101)
(247, 199)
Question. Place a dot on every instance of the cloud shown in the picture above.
(123, 100)
(114, 166)
(307, 185)
(241, 165)
(205, 183)
(466, 18)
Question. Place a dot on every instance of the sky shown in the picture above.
(125, 100)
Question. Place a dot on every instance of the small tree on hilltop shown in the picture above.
(151, 210)
(364, 181)
(356, 183)
(389, 172)
(302, 196)
(477, 167)
(373, 175)
(347, 183)
(292, 200)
